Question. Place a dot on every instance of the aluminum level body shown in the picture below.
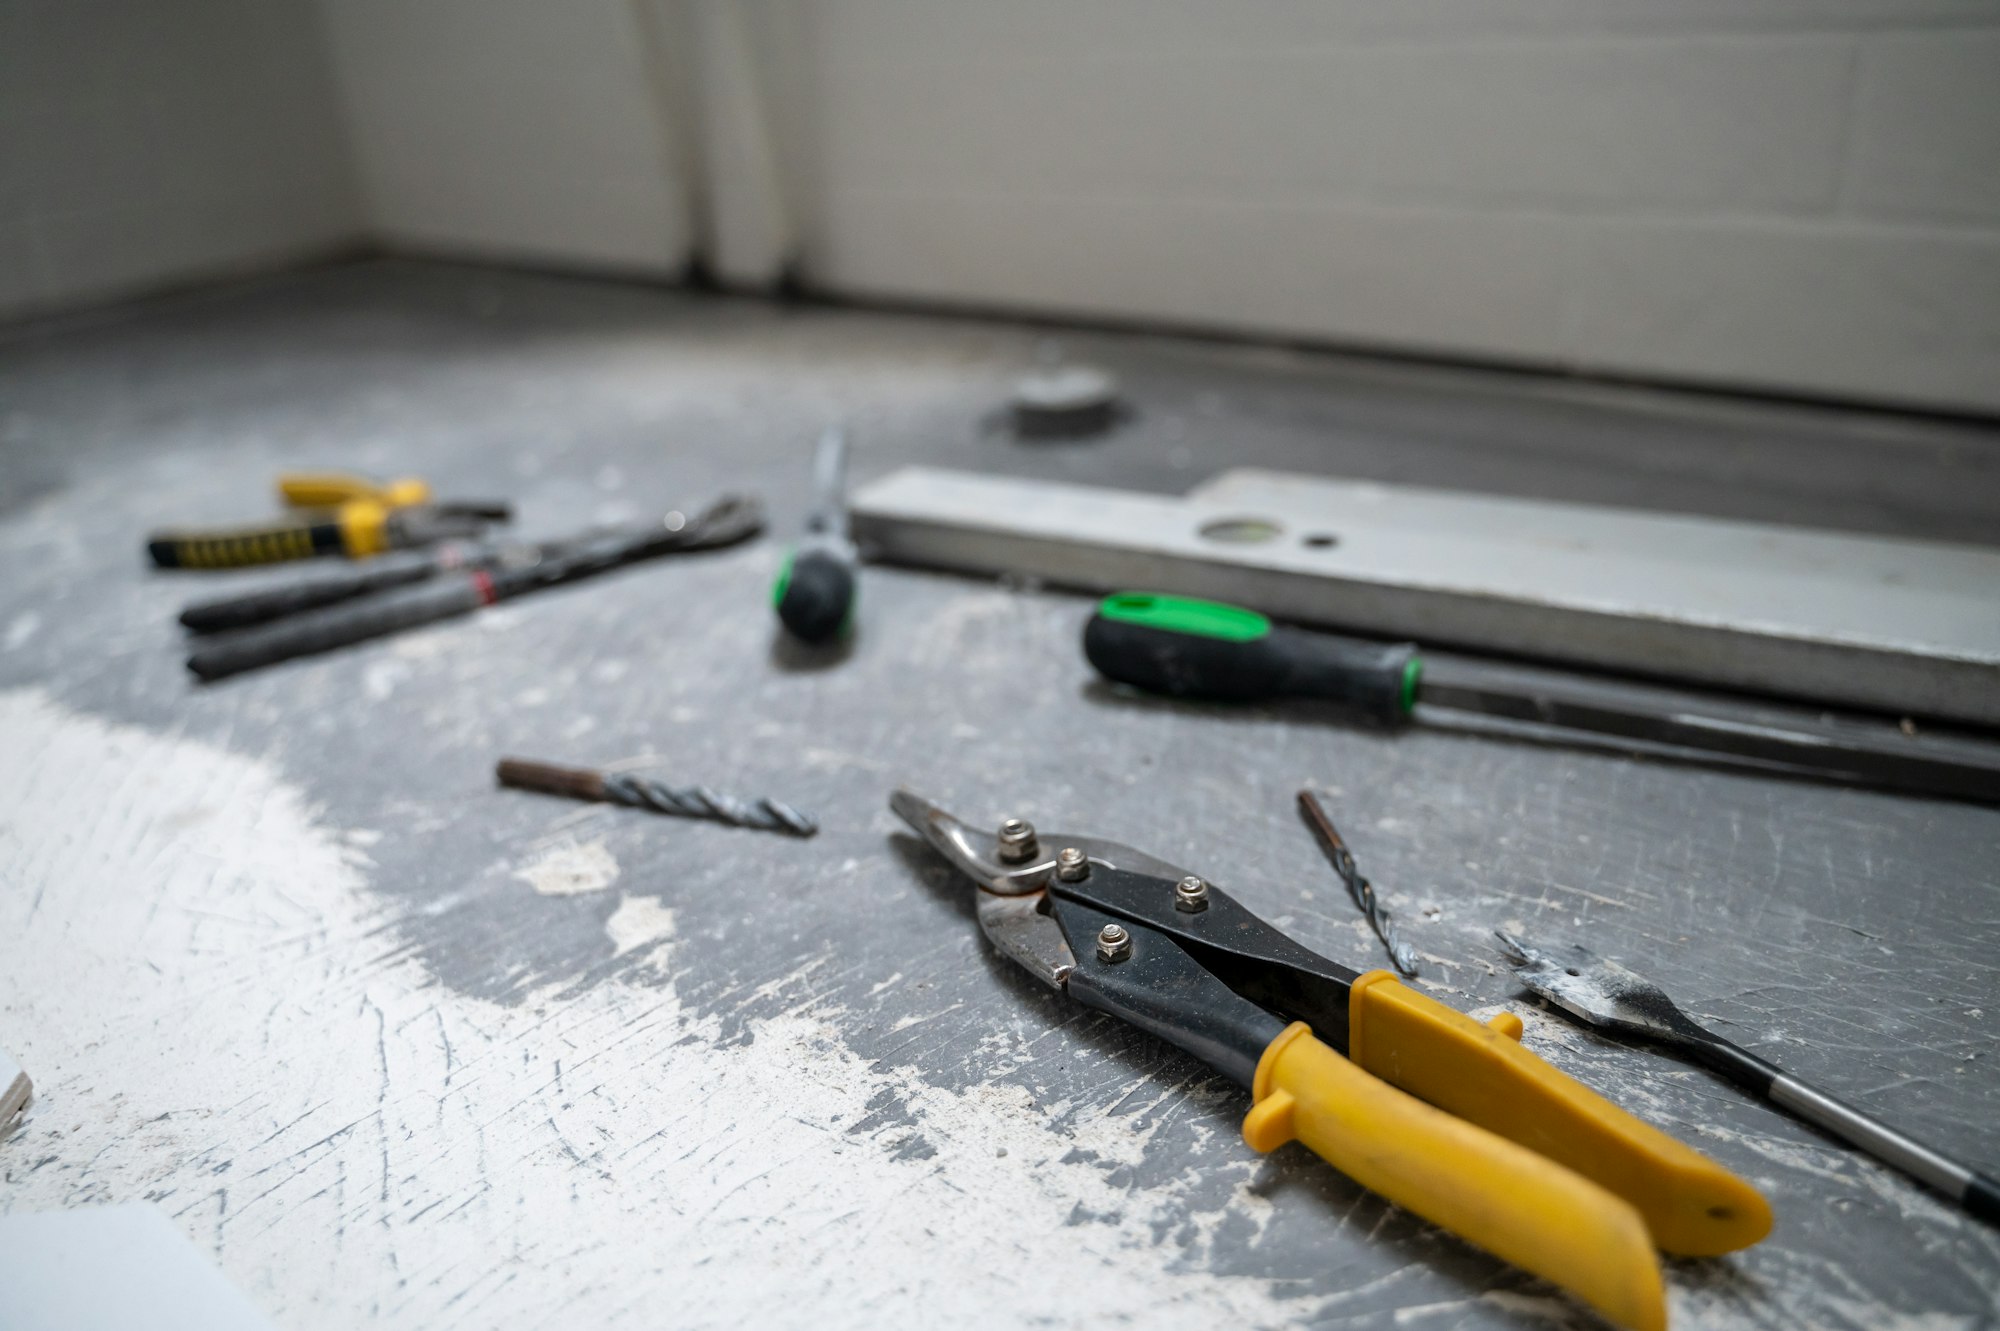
(1906, 627)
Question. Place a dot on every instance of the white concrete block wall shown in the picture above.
(513, 129)
(1927, 128)
(150, 142)
(1798, 195)
(1792, 195)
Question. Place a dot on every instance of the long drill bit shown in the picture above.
(1363, 891)
(763, 815)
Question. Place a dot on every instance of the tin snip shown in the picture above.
(1446, 1117)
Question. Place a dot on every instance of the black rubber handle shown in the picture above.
(258, 607)
(816, 595)
(1982, 1198)
(1199, 649)
(338, 625)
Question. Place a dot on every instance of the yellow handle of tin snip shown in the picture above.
(1500, 1196)
(1691, 1205)
(329, 489)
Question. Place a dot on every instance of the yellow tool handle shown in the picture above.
(240, 547)
(328, 489)
(364, 527)
(1691, 1205)
(1505, 1198)
(356, 529)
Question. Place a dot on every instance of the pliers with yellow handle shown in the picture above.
(333, 513)
(1446, 1117)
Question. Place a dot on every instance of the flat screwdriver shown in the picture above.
(1188, 648)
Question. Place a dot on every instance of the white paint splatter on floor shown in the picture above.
(637, 922)
(380, 677)
(355, 1143)
(568, 867)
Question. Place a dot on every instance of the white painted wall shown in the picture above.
(1797, 195)
(148, 142)
(1792, 194)
(513, 129)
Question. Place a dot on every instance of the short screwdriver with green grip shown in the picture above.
(815, 591)
(1188, 648)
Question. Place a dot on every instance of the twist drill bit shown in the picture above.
(1363, 891)
(763, 815)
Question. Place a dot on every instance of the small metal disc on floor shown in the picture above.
(1065, 402)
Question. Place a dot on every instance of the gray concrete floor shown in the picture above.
(397, 1046)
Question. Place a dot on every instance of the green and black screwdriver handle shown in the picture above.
(814, 593)
(1202, 649)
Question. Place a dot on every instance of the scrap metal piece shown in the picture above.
(1598, 991)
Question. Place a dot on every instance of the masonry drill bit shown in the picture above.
(1363, 891)
(763, 815)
